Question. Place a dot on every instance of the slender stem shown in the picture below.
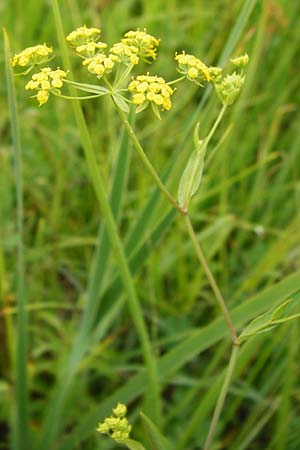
(188, 223)
(210, 277)
(178, 80)
(85, 97)
(222, 397)
(146, 161)
(215, 125)
(22, 416)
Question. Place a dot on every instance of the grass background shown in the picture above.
(247, 214)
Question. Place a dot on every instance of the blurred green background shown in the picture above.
(247, 214)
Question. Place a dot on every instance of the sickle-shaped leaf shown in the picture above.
(120, 102)
(94, 89)
(269, 320)
(192, 175)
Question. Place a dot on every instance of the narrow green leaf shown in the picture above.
(120, 102)
(141, 107)
(94, 89)
(22, 415)
(155, 110)
(156, 439)
(268, 320)
(191, 177)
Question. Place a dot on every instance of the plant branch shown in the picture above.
(211, 278)
(222, 397)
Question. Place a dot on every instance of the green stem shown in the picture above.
(222, 397)
(188, 223)
(216, 124)
(146, 161)
(22, 417)
(178, 80)
(85, 97)
(133, 303)
(211, 278)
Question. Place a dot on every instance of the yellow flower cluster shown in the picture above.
(100, 64)
(193, 68)
(116, 426)
(88, 50)
(144, 42)
(44, 81)
(83, 35)
(32, 55)
(146, 88)
(125, 53)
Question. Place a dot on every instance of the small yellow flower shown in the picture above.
(31, 56)
(88, 50)
(44, 81)
(83, 35)
(100, 64)
(192, 67)
(125, 53)
(193, 73)
(146, 88)
(42, 96)
(144, 42)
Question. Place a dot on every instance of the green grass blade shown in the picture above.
(21, 343)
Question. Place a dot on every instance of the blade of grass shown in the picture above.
(22, 414)
(99, 264)
(280, 441)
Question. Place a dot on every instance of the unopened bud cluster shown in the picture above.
(229, 87)
(116, 426)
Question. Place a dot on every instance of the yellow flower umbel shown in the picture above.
(147, 89)
(116, 426)
(127, 54)
(193, 68)
(45, 81)
(100, 64)
(83, 35)
(144, 42)
(90, 49)
(39, 54)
